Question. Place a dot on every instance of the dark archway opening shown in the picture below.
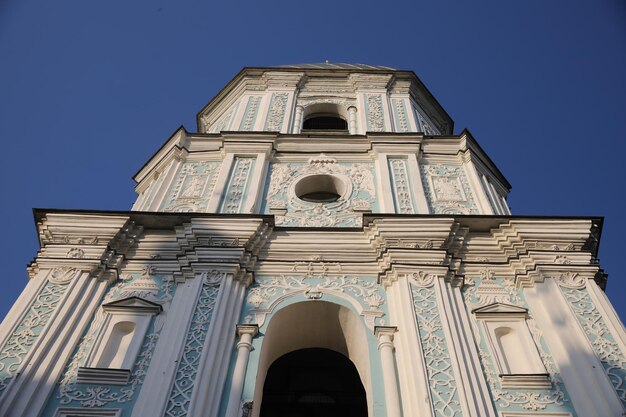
(313, 383)
(325, 123)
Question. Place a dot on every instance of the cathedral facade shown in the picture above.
(323, 245)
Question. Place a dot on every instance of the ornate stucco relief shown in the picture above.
(238, 184)
(29, 329)
(365, 294)
(193, 187)
(186, 371)
(400, 115)
(250, 114)
(341, 213)
(596, 330)
(276, 112)
(487, 289)
(147, 285)
(402, 193)
(425, 125)
(441, 376)
(375, 114)
(447, 189)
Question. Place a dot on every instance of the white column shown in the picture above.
(246, 332)
(384, 334)
(352, 120)
(157, 384)
(219, 189)
(297, 123)
(384, 185)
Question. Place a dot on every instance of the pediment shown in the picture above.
(136, 304)
(500, 309)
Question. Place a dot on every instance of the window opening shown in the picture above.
(325, 122)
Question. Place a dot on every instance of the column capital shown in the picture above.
(381, 331)
(251, 329)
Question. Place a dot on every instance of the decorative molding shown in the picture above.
(422, 279)
(87, 412)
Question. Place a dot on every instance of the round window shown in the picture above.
(320, 188)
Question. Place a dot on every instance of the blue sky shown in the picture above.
(90, 89)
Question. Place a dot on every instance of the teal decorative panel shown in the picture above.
(70, 393)
(180, 396)
(250, 114)
(375, 113)
(238, 184)
(400, 115)
(593, 324)
(441, 378)
(28, 331)
(276, 112)
(193, 187)
(401, 186)
(486, 290)
(447, 189)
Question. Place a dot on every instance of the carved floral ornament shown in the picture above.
(422, 279)
(62, 274)
(571, 280)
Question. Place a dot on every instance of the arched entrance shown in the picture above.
(313, 382)
(307, 327)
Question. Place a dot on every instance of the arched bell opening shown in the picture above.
(309, 326)
(313, 382)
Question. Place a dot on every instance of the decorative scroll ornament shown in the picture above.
(571, 280)
(213, 277)
(422, 279)
(62, 275)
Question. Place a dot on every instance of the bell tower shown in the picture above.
(322, 244)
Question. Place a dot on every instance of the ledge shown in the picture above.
(526, 381)
(103, 376)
